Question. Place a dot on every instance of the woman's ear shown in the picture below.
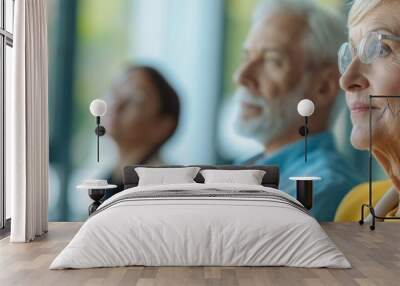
(163, 128)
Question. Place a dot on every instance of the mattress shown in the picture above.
(201, 225)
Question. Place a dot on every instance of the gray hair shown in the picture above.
(326, 27)
(360, 8)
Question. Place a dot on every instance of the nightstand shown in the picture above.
(304, 189)
(96, 193)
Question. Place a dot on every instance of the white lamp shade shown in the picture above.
(98, 107)
(305, 107)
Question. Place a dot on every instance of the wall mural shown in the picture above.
(186, 82)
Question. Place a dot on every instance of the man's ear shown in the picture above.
(327, 85)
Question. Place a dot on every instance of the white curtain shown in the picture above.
(27, 122)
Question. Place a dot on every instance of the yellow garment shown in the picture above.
(350, 207)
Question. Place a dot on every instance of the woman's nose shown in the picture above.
(353, 79)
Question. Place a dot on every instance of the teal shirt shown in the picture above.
(323, 160)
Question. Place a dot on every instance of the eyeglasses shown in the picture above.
(370, 48)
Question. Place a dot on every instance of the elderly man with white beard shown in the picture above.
(291, 54)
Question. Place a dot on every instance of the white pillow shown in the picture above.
(163, 176)
(248, 177)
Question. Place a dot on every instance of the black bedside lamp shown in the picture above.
(98, 108)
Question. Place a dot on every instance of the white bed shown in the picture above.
(185, 230)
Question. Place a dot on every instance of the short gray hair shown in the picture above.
(326, 27)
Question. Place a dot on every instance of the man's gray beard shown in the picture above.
(275, 118)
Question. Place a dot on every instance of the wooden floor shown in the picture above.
(375, 257)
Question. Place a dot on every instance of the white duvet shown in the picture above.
(200, 231)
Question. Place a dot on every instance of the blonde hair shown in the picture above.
(360, 9)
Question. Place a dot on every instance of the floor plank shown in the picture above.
(374, 255)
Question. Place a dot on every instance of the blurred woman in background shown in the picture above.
(370, 65)
(143, 115)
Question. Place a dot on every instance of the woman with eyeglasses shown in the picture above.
(370, 65)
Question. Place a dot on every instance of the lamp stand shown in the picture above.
(100, 131)
(303, 131)
(305, 139)
(369, 205)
